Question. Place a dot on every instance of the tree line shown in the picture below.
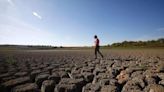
(149, 43)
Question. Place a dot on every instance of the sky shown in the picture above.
(75, 22)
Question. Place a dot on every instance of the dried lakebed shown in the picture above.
(78, 71)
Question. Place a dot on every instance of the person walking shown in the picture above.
(97, 47)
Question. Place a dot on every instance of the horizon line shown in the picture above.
(75, 45)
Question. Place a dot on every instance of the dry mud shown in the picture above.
(78, 71)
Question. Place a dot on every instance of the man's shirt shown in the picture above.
(97, 42)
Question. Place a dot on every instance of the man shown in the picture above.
(97, 47)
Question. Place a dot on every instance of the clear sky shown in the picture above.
(75, 22)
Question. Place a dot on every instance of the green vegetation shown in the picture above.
(140, 44)
(10, 60)
(143, 67)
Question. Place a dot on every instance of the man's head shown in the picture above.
(95, 36)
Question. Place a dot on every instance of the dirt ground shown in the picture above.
(121, 70)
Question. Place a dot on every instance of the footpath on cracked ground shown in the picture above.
(78, 71)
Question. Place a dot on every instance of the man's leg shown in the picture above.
(95, 52)
(100, 52)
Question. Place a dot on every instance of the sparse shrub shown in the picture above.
(143, 67)
(10, 60)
